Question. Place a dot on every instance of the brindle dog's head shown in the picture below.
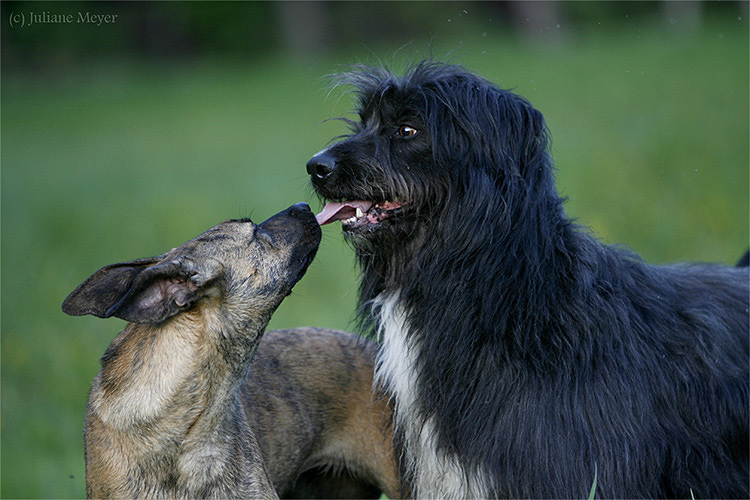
(238, 270)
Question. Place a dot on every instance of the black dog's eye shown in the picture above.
(406, 131)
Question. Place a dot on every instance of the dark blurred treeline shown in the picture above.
(248, 29)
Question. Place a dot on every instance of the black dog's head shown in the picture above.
(431, 146)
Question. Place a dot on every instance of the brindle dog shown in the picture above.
(174, 412)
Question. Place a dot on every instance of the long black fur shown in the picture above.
(544, 357)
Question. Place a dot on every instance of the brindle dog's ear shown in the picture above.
(105, 288)
(141, 291)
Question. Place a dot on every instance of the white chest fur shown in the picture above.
(435, 474)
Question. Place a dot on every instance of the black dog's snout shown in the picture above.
(321, 166)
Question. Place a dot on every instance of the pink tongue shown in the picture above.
(341, 211)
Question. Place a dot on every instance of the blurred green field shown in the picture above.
(112, 161)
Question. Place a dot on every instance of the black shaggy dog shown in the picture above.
(525, 357)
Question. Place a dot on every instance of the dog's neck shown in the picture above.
(443, 279)
(164, 392)
(181, 349)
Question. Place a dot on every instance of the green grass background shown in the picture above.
(110, 161)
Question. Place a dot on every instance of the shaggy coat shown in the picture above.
(526, 358)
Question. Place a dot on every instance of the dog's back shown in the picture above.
(676, 339)
(310, 399)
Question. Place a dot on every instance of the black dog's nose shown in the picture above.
(321, 166)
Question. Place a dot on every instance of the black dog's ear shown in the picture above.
(141, 291)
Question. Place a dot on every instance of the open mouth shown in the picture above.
(358, 214)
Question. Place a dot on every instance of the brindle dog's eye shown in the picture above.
(406, 131)
(265, 237)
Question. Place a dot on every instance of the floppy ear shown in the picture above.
(141, 291)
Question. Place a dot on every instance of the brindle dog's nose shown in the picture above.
(321, 166)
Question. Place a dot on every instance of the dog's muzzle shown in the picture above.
(354, 214)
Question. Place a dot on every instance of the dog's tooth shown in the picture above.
(359, 213)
